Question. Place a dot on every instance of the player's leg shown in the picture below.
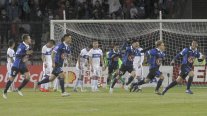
(139, 77)
(26, 74)
(78, 80)
(132, 75)
(190, 80)
(159, 83)
(120, 72)
(181, 77)
(110, 74)
(151, 75)
(56, 84)
(96, 78)
(13, 74)
(62, 83)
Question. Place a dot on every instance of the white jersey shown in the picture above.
(139, 57)
(95, 54)
(47, 53)
(10, 55)
(83, 57)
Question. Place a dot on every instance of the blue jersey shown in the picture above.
(113, 58)
(128, 57)
(62, 53)
(20, 56)
(189, 56)
(155, 58)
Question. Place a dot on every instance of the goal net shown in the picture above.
(177, 34)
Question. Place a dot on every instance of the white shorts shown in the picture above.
(9, 66)
(96, 71)
(138, 70)
(47, 70)
(80, 71)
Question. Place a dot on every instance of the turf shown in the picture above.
(121, 103)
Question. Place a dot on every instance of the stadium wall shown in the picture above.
(36, 74)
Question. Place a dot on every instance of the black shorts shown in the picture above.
(15, 71)
(112, 68)
(57, 70)
(153, 73)
(125, 68)
(185, 69)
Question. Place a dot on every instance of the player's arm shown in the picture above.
(54, 52)
(182, 53)
(200, 57)
(142, 58)
(10, 56)
(90, 61)
(102, 62)
(43, 54)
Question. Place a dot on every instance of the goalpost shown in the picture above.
(176, 33)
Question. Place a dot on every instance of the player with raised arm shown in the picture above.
(127, 65)
(19, 65)
(47, 63)
(95, 61)
(10, 61)
(59, 54)
(188, 55)
(81, 66)
(156, 57)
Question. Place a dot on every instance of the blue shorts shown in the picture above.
(22, 69)
(154, 72)
(185, 69)
(57, 70)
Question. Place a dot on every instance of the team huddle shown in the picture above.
(130, 60)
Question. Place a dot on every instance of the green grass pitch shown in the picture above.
(120, 103)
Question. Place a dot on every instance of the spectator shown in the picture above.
(4, 26)
(133, 12)
(97, 11)
(115, 9)
(13, 10)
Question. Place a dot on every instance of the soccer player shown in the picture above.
(10, 61)
(47, 63)
(137, 63)
(127, 65)
(95, 61)
(113, 64)
(60, 53)
(156, 57)
(188, 54)
(81, 65)
(21, 57)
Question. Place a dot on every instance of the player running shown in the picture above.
(156, 57)
(60, 53)
(19, 65)
(113, 62)
(127, 65)
(189, 55)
